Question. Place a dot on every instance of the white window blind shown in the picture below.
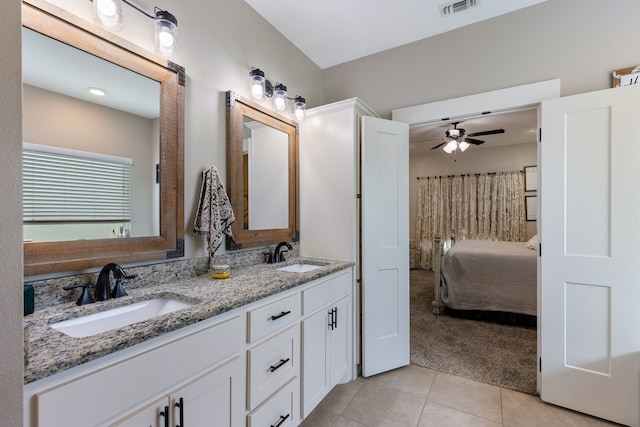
(70, 186)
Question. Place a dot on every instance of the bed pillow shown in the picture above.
(532, 243)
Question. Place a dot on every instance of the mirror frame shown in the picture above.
(237, 109)
(71, 256)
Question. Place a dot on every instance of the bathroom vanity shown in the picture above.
(261, 348)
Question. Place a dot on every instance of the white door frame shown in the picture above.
(496, 102)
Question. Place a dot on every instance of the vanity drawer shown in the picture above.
(272, 317)
(282, 408)
(272, 364)
(326, 291)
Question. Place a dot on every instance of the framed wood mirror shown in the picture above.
(166, 239)
(262, 174)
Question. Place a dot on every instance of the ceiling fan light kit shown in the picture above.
(457, 139)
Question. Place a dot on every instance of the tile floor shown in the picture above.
(419, 397)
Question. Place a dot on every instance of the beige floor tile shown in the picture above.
(377, 406)
(408, 379)
(435, 415)
(524, 410)
(345, 422)
(320, 417)
(338, 399)
(482, 400)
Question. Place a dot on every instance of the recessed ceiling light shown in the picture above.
(97, 91)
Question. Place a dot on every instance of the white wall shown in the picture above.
(11, 361)
(578, 41)
(480, 160)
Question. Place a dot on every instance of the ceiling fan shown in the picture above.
(457, 138)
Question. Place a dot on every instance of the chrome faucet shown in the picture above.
(103, 285)
(277, 252)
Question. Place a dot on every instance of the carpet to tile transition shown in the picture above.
(498, 354)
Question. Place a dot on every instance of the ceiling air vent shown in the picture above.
(456, 6)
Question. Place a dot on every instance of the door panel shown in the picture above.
(385, 245)
(590, 235)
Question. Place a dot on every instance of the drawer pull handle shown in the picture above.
(165, 415)
(277, 316)
(278, 365)
(180, 406)
(281, 420)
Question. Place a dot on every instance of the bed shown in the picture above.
(487, 276)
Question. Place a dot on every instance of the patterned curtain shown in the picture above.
(479, 207)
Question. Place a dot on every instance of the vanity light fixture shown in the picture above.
(258, 84)
(299, 105)
(261, 88)
(166, 32)
(108, 13)
(280, 97)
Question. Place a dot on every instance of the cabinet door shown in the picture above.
(315, 345)
(213, 399)
(339, 343)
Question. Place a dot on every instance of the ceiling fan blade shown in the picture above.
(439, 145)
(487, 132)
(473, 141)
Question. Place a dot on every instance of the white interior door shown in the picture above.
(589, 269)
(385, 245)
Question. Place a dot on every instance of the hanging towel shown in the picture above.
(215, 213)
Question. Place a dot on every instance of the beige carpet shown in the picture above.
(492, 353)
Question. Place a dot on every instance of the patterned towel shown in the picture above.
(215, 213)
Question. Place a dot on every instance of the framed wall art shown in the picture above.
(530, 178)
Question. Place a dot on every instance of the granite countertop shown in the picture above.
(51, 351)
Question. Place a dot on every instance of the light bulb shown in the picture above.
(463, 145)
(299, 106)
(280, 97)
(450, 147)
(108, 13)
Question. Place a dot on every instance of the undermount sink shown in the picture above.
(299, 268)
(93, 324)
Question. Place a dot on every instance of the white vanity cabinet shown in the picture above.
(326, 339)
(248, 367)
(135, 385)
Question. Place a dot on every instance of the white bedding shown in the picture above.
(490, 276)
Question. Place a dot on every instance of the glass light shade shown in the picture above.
(299, 105)
(450, 147)
(463, 145)
(257, 84)
(108, 13)
(166, 33)
(280, 97)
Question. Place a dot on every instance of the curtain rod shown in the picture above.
(470, 174)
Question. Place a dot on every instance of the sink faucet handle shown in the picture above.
(118, 290)
(86, 297)
(268, 257)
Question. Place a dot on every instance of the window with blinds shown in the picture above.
(61, 185)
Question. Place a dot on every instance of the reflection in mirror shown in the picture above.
(149, 140)
(266, 176)
(262, 174)
(89, 171)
